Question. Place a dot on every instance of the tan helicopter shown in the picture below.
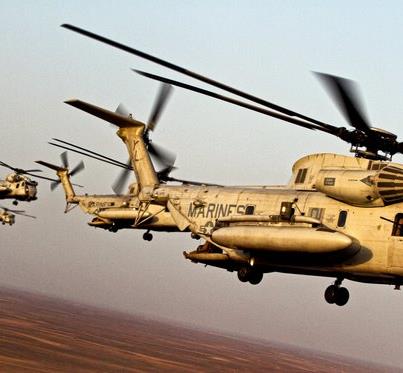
(7, 216)
(18, 186)
(339, 216)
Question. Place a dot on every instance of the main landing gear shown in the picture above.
(147, 236)
(335, 294)
(246, 274)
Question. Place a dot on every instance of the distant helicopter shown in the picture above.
(7, 216)
(121, 215)
(339, 216)
(18, 186)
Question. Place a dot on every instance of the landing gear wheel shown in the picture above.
(147, 236)
(342, 296)
(335, 294)
(330, 294)
(113, 228)
(255, 277)
(244, 274)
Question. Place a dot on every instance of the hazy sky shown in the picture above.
(267, 48)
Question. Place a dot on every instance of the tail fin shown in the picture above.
(63, 174)
(131, 132)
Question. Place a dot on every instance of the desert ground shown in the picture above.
(42, 334)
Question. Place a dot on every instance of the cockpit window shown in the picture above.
(301, 175)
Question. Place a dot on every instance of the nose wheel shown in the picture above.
(335, 294)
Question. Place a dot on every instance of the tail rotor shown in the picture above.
(65, 167)
(164, 158)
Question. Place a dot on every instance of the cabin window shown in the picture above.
(316, 212)
(398, 225)
(250, 210)
(342, 219)
(301, 175)
(18, 185)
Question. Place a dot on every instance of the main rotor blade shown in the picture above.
(34, 170)
(7, 166)
(192, 74)
(329, 128)
(344, 93)
(189, 182)
(117, 164)
(11, 210)
(159, 105)
(19, 170)
(91, 154)
(40, 177)
(22, 213)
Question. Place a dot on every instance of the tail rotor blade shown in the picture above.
(121, 181)
(159, 105)
(54, 185)
(77, 169)
(164, 157)
(65, 159)
(163, 175)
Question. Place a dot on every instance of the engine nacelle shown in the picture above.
(356, 187)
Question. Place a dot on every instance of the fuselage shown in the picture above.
(200, 209)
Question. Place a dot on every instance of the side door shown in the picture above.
(395, 254)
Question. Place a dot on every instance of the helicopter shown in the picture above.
(18, 186)
(339, 216)
(7, 216)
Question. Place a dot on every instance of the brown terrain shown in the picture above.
(41, 334)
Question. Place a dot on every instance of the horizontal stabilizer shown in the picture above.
(110, 116)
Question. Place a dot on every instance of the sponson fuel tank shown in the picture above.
(121, 213)
(285, 239)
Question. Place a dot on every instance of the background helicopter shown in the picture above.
(18, 186)
(338, 217)
(114, 212)
(7, 216)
